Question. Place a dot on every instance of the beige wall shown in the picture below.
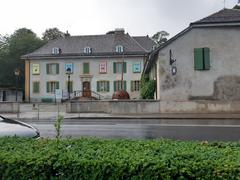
(221, 82)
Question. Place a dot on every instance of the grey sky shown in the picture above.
(82, 17)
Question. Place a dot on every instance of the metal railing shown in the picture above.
(88, 94)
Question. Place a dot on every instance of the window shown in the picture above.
(71, 86)
(103, 67)
(135, 86)
(56, 50)
(119, 49)
(52, 68)
(201, 58)
(36, 69)
(36, 87)
(117, 67)
(85, 68)
(102, 86)
(87, 50)
(52, 86)
(137, 67)
(118, 85)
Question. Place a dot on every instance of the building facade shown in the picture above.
(200, 63)
(98, 66)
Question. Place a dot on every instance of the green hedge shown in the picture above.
(117, 159)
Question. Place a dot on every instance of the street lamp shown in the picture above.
(68, 72)
(17, 74)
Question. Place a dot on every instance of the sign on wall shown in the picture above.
(69, 65)
(137, 67)
(103, 67)
(36, 69)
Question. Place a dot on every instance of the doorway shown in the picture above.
(86, 89)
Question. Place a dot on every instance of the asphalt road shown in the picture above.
(140, 129)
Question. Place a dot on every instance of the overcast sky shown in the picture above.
(83, 17)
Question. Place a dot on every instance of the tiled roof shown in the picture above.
(223, 16)
(100, 44)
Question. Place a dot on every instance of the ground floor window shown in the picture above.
(135, 86)
(52, 86)
(102, 86)
(36, 88)
(118, 85)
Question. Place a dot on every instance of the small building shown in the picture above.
(9, 94)
(96, 65)
(200, 63)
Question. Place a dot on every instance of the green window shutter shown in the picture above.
(107, 86)
(48, 89)
(125, 85)
(198, 59)
(115, 86)
(125, 67)
(206, 58)
(85, 68)
(47, 68)
(57, 70)
(98, 86)
(57, 85)
(35, 87)
(132, 86)
(114, 67)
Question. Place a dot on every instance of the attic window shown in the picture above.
(119, 49)
(87, 50)
(56, 50)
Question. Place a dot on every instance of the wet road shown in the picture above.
(141, 129)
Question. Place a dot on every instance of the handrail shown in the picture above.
(79, 93)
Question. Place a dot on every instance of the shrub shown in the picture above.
(117, 159)
(148, 88)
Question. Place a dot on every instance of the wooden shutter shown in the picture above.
(108, 86)
(198, 59)
(98, 86)
(57, 68)
(85, 68)
(206, 58)
(115, 85)
(125, 85)
(35, 87)
(125, 67)
(57, 85)
(47, 68)
(48, 87)
(114, 67)
(132, 86)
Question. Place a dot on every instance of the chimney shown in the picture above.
(119, 31)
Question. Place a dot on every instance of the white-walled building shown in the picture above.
(200, 63)
(95, 62)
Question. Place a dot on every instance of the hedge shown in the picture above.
(90, 158)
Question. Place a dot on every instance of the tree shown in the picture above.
(53, 33)
(21, 42)
(160, 37)
(236, 7)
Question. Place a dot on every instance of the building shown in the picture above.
(200, 63)
(9, 94)
(95, 64)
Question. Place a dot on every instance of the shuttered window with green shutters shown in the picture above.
(52, 86)
(135, 86)
(201, 58)
(85, 68)
(52, 68)
(117, 67)
(117, 85)
(103, 86)
(36, 87)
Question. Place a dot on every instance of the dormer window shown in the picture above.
(87, 50)
(119, 49)
(56, 50)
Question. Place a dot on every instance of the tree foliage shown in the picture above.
(21, 42)
(160, 37)
(53, 33)
(236, 7)
(148, 87)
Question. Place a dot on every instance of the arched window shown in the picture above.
(119, 49)
(87, 50)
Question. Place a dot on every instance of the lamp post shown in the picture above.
(68, 72)
(17, 74)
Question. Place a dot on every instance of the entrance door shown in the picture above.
(86, 89)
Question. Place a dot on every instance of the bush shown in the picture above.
(148, 88)
(117, 159)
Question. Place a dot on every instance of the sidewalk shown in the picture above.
(53, 115)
